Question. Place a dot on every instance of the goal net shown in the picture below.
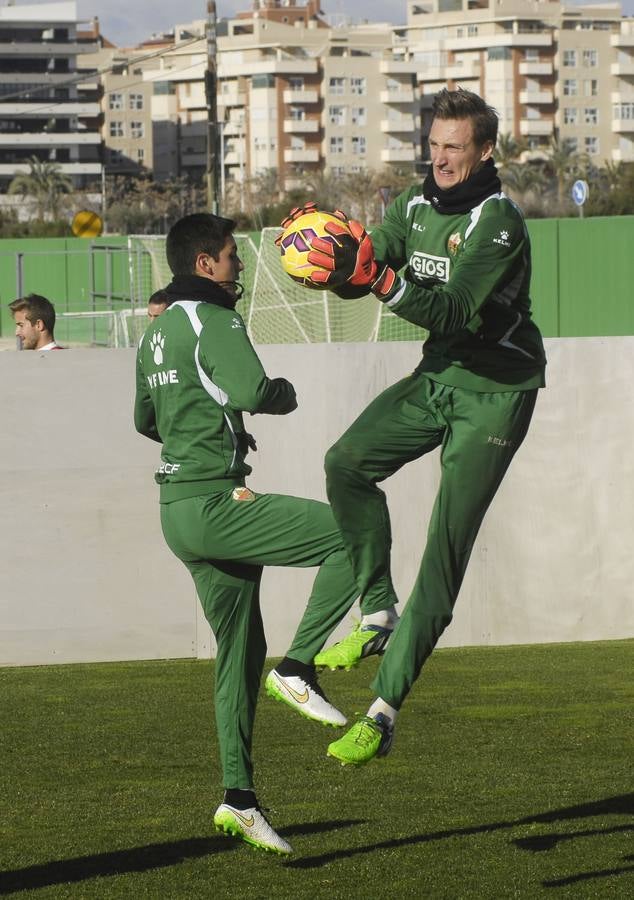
(275, 309)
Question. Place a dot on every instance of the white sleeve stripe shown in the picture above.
(399, 294)
(190, 308)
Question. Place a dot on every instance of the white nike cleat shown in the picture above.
(251, 826)
(306, 697)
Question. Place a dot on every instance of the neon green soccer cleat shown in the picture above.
(366, 739)
(363, 640)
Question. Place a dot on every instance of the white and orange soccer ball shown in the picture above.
(295, 245)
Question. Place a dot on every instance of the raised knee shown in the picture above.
(341, 457)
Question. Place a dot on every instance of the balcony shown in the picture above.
(536, 68)
(397, 67)
(233, 158)
(400, 124)
(268, 67)
(483, 41)
(622, 40)
(232, 98)
(403, 95)
(49, 139)
(232, 129)
(623, 126)
(301, 156)
(623, 69)
(536, 98)
(540, 127)
(70, 168)
(402, 154)
(52, 109)
(301, 126)
(41, 48)
(300, 96)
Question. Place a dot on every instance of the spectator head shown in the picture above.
(157, 304)
(34, 318)
(462, 136)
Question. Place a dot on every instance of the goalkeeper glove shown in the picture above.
(349, 259)
(295, 213)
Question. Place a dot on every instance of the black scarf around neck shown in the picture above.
(194, 287)
(466, 195)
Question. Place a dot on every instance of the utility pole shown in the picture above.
(211, 82)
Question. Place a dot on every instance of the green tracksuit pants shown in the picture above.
(478, 434)
(224, 543)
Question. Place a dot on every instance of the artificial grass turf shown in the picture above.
(510, 777)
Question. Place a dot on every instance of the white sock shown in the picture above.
(384, 618)
(380, 706)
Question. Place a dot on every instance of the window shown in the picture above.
(164, 87)
(591, 115)
(358, 116)
(116, 129)
(472, 30)
(591, 58)
(337, 115)
(337, 171)
(358, 145)
(337, 85)
(358, 86)
(115, 101)
(296, 83)
(136, 101)
(623, 110)
(298, 143)
(591, 87)
(531, 54)
(336, 145)
(140, 156)
(572, 144)
(297, 113)
(570, 115)
(262, 81)
(137, 129)
(494, 53)
(591, 145)
(570, 58)
(570, 87)
(116, 157)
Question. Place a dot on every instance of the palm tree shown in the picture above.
(565, 164)
(46, 183)
(359, 190)
(508, 150)
(523, 178)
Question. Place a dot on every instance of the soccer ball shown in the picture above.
(296, 243)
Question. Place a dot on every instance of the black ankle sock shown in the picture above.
(240, 799)
(290, 666)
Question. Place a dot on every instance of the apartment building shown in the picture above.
(45, 110)
(550, 69)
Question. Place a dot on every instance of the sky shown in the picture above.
(127, 22)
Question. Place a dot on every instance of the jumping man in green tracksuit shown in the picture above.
(197, 372)
(468, 268)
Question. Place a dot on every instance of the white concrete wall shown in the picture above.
(85, 575)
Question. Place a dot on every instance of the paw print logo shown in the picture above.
(504, 235)
(157, 343)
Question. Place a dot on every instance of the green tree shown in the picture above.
(564, 164)
(46, 184)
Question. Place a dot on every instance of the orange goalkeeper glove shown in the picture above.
(349, 258)
(295, 213)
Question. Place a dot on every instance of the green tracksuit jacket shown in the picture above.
(467, 282)
(197, 353)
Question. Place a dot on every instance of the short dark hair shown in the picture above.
(159, 297)
(463, 104)
(195, 234)
(36, 307)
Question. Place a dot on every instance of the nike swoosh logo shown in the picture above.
(248, 823)
(301, 698)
